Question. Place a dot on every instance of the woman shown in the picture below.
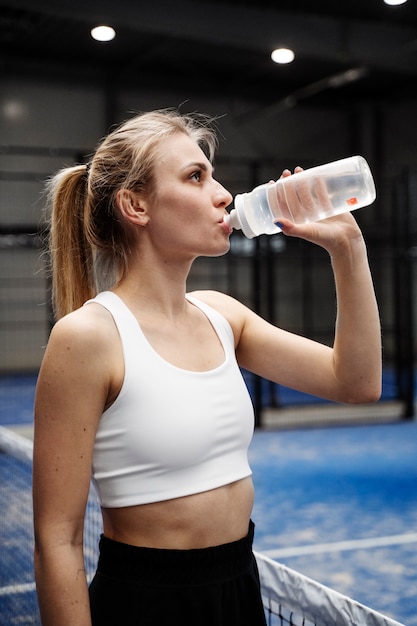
(140, 388)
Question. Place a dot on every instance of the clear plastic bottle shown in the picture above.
(308, 196)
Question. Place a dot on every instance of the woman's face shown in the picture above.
(187, 206)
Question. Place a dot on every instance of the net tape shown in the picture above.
(289, 597)
(320, 605)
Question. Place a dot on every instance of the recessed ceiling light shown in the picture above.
(103, 33)
(395, 2)
(282, 55)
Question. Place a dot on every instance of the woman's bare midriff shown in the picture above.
(201, 520)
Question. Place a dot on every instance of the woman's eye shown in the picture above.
(196, 175)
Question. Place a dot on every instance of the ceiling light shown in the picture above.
(103, 33)
(14, 110)
(395, 2)
(282, 55)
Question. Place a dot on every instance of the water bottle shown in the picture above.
(308, 196)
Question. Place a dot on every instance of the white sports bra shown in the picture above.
(171, 432)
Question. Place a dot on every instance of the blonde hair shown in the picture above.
(88, 242)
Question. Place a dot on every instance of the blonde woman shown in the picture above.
(140, 387)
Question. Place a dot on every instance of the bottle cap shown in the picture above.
(232, 219)
(238, 218)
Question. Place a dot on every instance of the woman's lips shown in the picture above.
(225, 225)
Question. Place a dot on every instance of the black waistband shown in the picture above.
(161, 566)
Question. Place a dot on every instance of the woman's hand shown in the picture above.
(304, 200)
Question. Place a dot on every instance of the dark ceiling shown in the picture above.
(347, 51)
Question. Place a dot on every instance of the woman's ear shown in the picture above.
(133, 207)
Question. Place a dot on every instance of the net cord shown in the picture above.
(318, 603)
(14, 444)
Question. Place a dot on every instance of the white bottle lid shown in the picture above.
(237, 218)
(232, 219)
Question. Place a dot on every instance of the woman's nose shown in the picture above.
(223, 197)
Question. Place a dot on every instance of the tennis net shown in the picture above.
(290, 598)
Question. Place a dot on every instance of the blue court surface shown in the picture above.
(338, 504)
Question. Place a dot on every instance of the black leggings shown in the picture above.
(216, 586)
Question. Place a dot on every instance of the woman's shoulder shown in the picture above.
(87, 328)
(234, 311)
(217, 300)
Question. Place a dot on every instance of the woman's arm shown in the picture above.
(351, 370)
(71, 392)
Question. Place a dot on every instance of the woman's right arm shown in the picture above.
(71, 392)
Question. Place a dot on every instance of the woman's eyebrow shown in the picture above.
(201, 165)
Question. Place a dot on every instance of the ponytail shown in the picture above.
(71, 255)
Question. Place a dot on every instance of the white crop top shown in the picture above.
(171, 432)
